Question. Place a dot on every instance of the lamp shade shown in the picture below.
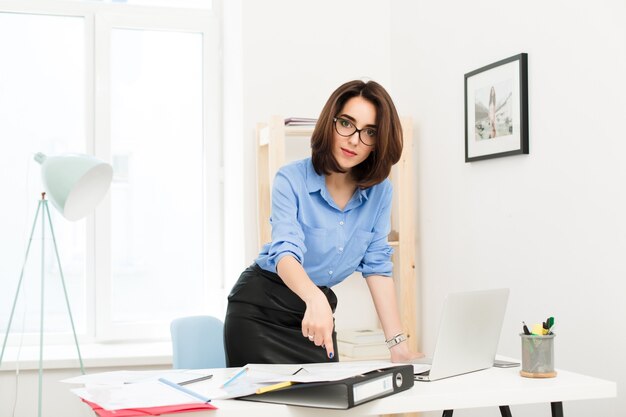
(75, 183)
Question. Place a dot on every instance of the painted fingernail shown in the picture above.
(330, 355)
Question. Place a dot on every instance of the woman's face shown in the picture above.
(349, 151)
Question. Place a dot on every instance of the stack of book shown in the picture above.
(300, 121)
(362, 344)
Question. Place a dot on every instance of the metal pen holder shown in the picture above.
(538, 356)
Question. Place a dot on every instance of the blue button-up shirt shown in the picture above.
(330, 243)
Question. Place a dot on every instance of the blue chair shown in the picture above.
(197, 342)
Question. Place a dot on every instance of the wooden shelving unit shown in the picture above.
(271, 139)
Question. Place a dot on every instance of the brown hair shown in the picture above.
(388, 147)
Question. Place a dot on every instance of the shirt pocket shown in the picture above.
(357, 246)
(318, 242)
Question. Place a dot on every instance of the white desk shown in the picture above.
(492, 387)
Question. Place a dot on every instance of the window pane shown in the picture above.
(157, 193)
(42, 108)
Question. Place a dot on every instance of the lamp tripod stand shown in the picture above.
(45, 215)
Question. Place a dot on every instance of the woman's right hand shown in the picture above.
(318, 316)
(317, 324)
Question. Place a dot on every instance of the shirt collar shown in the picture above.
(316, 182)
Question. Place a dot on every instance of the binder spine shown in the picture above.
(374, 388)
(389, 382)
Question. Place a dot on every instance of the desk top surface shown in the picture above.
(491, 387)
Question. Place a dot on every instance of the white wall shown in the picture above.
(550, 225)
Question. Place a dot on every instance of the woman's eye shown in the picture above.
(345, 123)
(370, 132)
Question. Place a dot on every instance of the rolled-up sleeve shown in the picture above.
(287, 235)
(377, 258)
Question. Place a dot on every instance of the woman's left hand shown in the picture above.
(401, 353)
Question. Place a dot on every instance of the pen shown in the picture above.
(273, 387)
(191, 381)
(185, 390)
(232, 378)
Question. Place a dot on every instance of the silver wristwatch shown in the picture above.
(399, 338)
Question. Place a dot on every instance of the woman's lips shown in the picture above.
(348, 152)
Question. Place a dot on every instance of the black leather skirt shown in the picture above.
(263, 322)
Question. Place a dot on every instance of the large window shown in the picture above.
(138, 87)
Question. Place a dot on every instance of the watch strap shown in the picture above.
(399, 338)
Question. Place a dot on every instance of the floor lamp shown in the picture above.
(75, 184)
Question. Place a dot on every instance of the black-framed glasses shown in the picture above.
(346, 128)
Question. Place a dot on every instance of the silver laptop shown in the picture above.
(468, 333)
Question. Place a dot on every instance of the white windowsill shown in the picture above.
(94, 356)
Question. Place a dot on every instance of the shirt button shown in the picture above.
(340, 249)
(341, 223)
(330, 272)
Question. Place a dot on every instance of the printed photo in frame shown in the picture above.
(496, 109)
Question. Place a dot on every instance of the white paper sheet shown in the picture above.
(139, 395)
(130, 377)
(313, 372)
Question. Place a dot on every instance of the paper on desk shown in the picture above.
(131, 377)
(109, 391)
(139, 395)
(313, 372)
(261, 375)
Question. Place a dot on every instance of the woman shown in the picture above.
(330, 218)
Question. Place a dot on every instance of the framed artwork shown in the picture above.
(496, 109)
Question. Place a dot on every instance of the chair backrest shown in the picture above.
(197, 342)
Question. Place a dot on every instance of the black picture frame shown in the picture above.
(496, 109)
